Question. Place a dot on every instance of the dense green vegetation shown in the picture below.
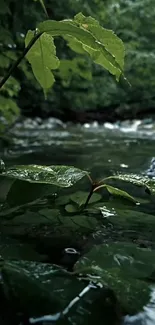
(80, 84)
(41, 216)
(60, 258)
(31, 204)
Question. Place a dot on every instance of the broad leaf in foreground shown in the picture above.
(24, 192)
(39, 289)
(124, 269)
(63, 176)
(37, 286)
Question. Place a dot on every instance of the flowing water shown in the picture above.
(103, 150)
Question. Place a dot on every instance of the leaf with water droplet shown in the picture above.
(22, 192)
(44, 289)
(2, 165)
(134, 179)
(63, 176)
(38, 287)
(117, 192)
(80, 197)
(122, 267)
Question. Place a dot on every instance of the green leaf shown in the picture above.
(50, 215)
(63, 176)
(71, 208)
(138, 180)
(131, 178)
(80, 223)
(11, 88)
(142, 224)
(65, 223)
(8, 109)
(62, 200)
(30, 218)
(45, 289)
(135, 262)
(5, 185)
(80, 197)
(93, 40)
(32, 284)
(77, 66)
(122, 267)
(117, 192)
(6, 37)
(42, 57)
(2, 166)
(22, 192)
(112, 44)
(60, 226)
(4, 61)
(74, 44)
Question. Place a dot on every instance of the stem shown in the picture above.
(16, 63)
(89, 196)
(98, 187)
(90, 179)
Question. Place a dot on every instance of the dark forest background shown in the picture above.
(82, 91)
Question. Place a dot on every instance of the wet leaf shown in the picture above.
(117, 192)
(85, 222)
(2, 165)
(71, 208)
(22, 192)
(77, 222)
(143, 224)
(134, 179)
(49, 223)
(62, 200)
(29, 217)
(50, 213)
(39, 289)
(32, 285)
(5, 185)
(63, 176)
(122, 267)
(80, 197)
(132, 294)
